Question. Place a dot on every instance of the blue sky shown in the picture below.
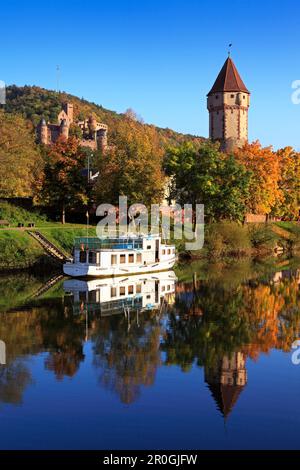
(160, 57)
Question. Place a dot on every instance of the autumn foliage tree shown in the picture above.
(21, 164)
(132, 166)
(289, 184)
(64, 186)
(265, 191)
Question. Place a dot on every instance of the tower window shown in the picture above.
(244, 97)
(217, 97)
(232, 96)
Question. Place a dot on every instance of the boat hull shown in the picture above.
(76, 270)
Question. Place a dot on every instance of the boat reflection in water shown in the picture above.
(121, 295)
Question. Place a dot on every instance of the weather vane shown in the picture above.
(229, 49)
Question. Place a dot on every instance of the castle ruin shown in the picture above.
(94, 133)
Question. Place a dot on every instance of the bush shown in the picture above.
(262, 235)
(227, 239)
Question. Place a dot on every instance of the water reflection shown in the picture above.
(124, 316)
(226, 380)
(219, 328)
(115, 296)
(137, 325)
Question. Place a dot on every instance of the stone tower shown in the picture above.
(228, 103)
(43, 132)
(64, 129)
(69, 110)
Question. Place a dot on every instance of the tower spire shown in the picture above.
(228, 103)
(229, 49)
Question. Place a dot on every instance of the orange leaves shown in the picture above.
(263, 162)
(289, 163)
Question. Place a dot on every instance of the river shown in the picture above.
(200, 358)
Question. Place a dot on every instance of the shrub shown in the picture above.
(262, 236)
(227, 238)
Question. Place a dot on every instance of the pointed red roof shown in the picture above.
(228, 79)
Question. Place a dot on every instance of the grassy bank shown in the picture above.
(20, 251)
(224, 240)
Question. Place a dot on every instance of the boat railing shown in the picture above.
(84, 243)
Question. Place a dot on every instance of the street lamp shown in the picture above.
(89, 156)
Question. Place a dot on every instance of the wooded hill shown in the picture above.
(33, 103)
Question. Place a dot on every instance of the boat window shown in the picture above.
(122, 259)
(122, 290)
(92, 296)
(82, 257)
(130, 290)
(92, 257)
(173, 251)
(82, 296)
(131, 258)
(164, 252)
(114, 259)
(139, 258)
(139, 288)
(149, 247)
(148, 296)
(113, 292)
(169, 252)
(163, 288)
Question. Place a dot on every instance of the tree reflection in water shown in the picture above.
(127, 360)
(218, 328)
(212, 324)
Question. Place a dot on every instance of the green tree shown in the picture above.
(203, 175)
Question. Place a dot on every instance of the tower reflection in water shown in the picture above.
(227, 380)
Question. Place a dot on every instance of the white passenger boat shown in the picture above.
(113, 296)
(95, 257)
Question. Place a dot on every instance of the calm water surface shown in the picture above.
(151, 362)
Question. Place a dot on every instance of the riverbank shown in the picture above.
(224, 240)
(231, 240)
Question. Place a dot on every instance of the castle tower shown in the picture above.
(43, 132)
(228, 103)
(92, 125)
(64, 129)
(102, 138)
(69, 110)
